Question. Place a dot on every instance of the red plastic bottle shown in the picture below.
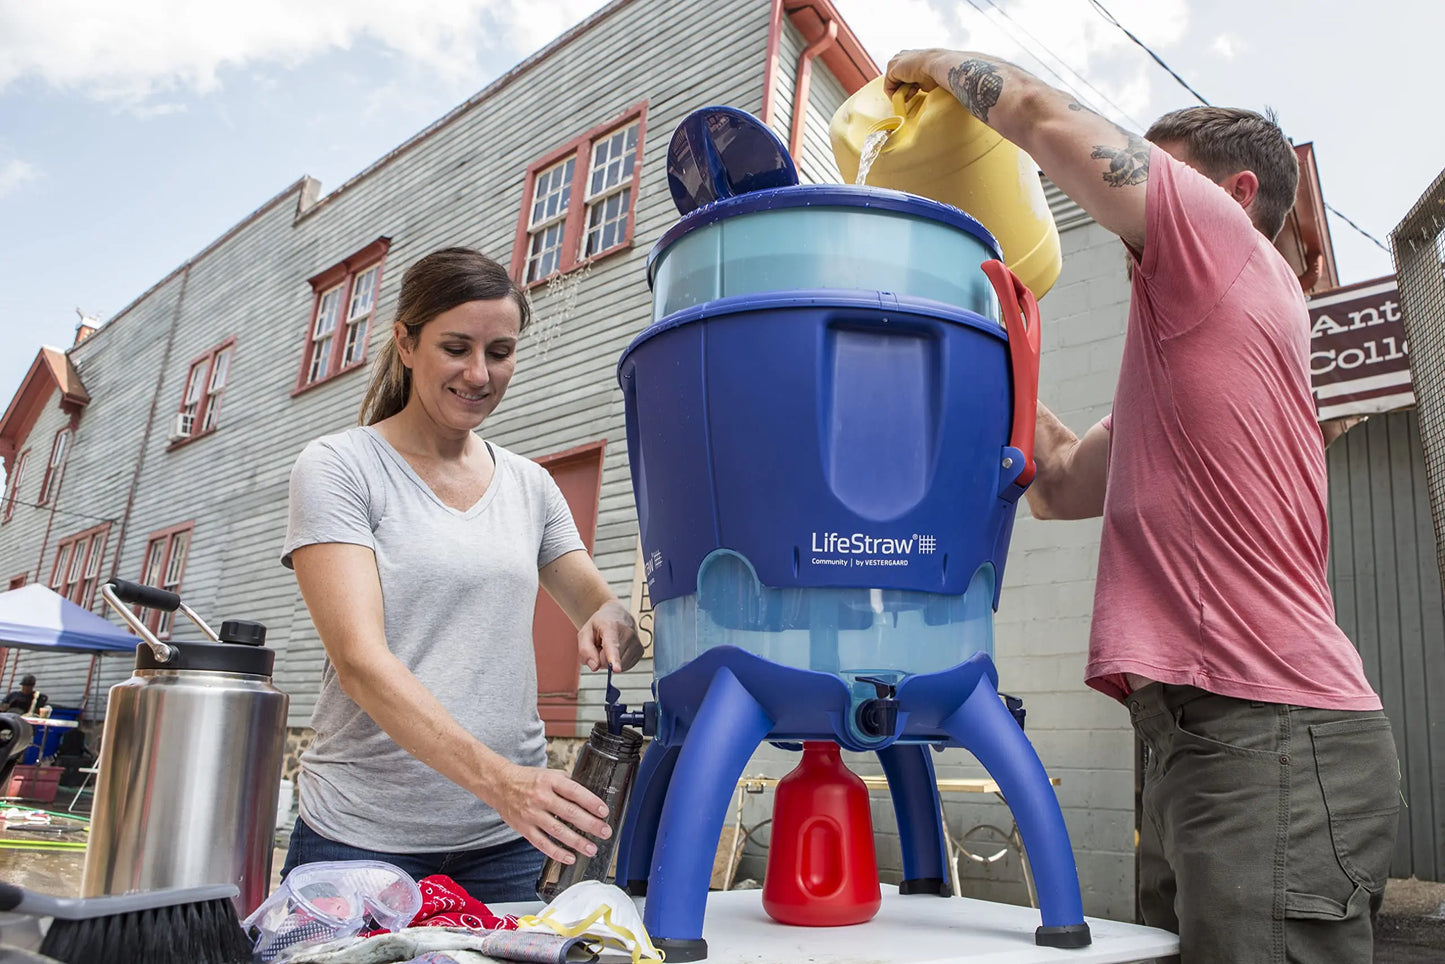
(822, 870)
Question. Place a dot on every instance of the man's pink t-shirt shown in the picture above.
(1212, 564)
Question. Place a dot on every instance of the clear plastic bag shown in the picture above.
(324, 901)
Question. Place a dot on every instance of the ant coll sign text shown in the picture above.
(1359, 358)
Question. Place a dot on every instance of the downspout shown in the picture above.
(150, 419)
(89, 678)
(800, 89)
(770, 59)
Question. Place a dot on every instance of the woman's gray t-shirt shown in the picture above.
(459, 590)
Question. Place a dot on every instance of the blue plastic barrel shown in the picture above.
(45, 740)
(818, 430)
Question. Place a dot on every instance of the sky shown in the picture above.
(134, 134)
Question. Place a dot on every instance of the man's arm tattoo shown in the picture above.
(978, 84)
(1128, 165)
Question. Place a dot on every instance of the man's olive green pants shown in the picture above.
(1267, 829)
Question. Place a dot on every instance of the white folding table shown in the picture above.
(917, 929)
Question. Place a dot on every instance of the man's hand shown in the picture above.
(1072, 472)
(976, 80)
(913, 68)
(1101, 166)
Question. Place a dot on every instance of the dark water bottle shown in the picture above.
(607, 766)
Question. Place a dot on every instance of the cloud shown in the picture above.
(15, 172)
(134, 51)
(1227, 46)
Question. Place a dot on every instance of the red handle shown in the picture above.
(1021, 321)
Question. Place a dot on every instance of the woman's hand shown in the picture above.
(549, 809)
(606, 631)
(609, 637)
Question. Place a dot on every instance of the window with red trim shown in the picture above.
(12, 485)
(18, 582)
(78, 559)
(51, 483)
(200, 411)
(165, 564)
(342, 309)
(579, 200)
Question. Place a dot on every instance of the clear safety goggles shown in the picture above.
(332, 899)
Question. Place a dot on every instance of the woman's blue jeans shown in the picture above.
(493, 875)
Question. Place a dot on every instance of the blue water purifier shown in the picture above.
(829, 423)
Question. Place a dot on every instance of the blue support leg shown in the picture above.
(986, 728)
(728, 727)
(644, 809)
(909, 769)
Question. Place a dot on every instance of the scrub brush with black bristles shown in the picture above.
(194, 925)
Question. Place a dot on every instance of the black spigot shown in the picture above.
(879, 716)
(1015, 707)
(619, 716)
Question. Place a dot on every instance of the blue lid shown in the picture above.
(823, 195)
(718, 152)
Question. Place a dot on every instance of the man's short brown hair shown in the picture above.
(1226, 140)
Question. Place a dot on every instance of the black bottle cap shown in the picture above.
(243, 631)
(210, 657)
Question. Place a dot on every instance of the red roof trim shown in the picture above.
(351, 264)
(66, 377)
(1306, 233)
(50, 371)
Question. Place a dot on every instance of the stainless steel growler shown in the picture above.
(190, 761)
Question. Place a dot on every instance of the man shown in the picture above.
(25, 700)
(1271, 787)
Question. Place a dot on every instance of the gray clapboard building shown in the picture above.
(158, 447)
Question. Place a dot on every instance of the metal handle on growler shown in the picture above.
(190, 760)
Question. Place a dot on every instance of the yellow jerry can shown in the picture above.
(937, 149)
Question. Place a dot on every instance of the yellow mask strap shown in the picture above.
(604, 913)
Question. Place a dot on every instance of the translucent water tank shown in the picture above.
(782, 245)
(851, 632)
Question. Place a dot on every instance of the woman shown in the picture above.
(418, 548)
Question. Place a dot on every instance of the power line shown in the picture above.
(1104, 12)
(1339, 214)
(1082, 79)
(79, 515)
(1052, 73)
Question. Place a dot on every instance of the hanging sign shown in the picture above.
(1359, 359)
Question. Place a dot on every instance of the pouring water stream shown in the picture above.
(872, 147)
